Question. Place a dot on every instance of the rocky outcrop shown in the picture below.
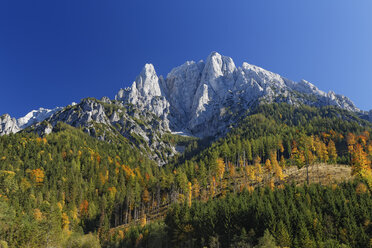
(370, 115)
(88, 111)
(108, 121)
(146, 93)
(202, 98)
(8, 125)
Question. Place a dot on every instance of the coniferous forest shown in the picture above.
(68, 189)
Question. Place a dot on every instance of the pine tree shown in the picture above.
(282, 236)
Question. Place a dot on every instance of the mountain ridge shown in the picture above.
(201, 99)
(193, 95)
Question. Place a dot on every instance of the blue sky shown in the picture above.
(55, 52)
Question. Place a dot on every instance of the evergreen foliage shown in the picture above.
(68, 189)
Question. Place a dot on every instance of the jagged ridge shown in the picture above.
(202, 98)
(197, 98)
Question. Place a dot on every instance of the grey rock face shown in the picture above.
(85, 112)
(115, 122)
(105, 99)
(146, 93)
(370, 115)
(43, 128)
(199, 98)
(8, 125)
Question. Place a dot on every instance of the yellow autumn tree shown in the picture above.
(297, 156)
(278, 172)
(220, 168)
(189, 194)
(360, 162)
(272, 184)
(143, 220)
(268, 166)
(351, 141)
(65, 222)
(332, 152)
(324, 153)
(38, 215)
(273, 158)
(231, 170)
(258, 168)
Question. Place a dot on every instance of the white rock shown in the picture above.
(8, 125)
(193, 94)
(36, 116)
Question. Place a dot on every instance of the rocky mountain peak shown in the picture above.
(194, 97)
(218, 73)
(36, 116)
(8, 125)
(147, 83)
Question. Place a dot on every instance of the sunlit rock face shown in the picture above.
(8, 125)
(200, 98)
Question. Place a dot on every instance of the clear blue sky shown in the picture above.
(55, 52)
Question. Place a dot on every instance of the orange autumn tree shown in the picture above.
(83, 208)
(37, 176)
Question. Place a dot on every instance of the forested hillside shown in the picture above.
(314, 216)
(58, 187)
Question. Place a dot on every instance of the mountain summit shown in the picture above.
(196, 97)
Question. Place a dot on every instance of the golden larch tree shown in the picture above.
(332, 152)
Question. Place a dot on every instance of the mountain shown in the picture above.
(198, 99)
(114, 122)
(104, 166)
(36, 116)
(205, 98)
(11, 125)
